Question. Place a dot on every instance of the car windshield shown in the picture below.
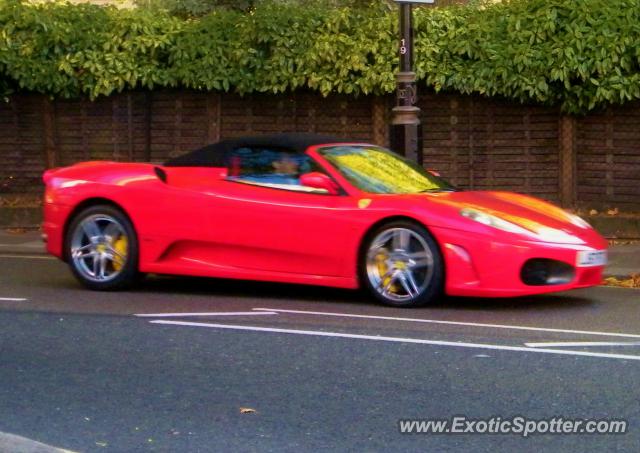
(377, 170)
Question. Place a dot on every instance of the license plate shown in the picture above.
(589, 258)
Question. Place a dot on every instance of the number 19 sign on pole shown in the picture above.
(406, 131)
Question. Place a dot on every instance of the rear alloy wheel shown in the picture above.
(402, 266)
(102, 248)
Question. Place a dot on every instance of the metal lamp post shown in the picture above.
(406, 130)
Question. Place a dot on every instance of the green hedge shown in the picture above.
(579, 54)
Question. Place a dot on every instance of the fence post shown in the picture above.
(567, 161)
(213, 117)
(130, 145)
(177, 125)
(48, 129)
(147, 125)
(379, 121)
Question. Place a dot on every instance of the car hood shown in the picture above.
(538, 216)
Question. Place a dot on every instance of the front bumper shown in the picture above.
(53, 227)
(486, 266)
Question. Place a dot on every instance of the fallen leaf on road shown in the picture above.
(632, 282)
(593, 212)
(247, 410)
(614, 211)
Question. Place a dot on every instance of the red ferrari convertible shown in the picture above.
(313, 210)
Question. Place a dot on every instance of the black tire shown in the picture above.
(434, 283)
(128, 273)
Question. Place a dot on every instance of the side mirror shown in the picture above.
(319, 180)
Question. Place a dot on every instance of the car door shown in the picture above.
(264, 219)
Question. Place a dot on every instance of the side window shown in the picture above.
(278, 169)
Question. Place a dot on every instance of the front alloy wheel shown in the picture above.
(402, 265)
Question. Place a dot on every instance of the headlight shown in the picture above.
(545, 234)
(493, 221)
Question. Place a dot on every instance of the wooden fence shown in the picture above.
(475, 142)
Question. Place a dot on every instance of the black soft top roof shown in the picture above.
(214, 155)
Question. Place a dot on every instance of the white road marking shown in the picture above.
(222, 313)
(455, 323)
(29, 257)
(398, 339)
(12, 299)
(579, 344)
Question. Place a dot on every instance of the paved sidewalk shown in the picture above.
(29, 242)
(624, 260)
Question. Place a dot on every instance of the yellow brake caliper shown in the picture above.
(381, 263)
(120, 246)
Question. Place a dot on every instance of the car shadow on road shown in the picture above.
(248, 289)
(284, 291)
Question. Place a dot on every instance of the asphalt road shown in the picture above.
(323, 369)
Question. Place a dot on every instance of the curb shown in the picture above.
(616, 227)
(20, 217)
